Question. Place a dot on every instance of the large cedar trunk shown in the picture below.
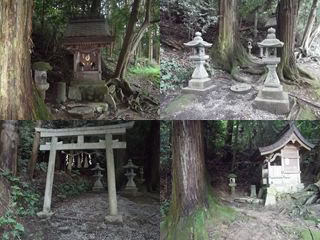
(152, 163)
(9, 146)
(287, 22)
(227, 32)
(188, 170)
(16, 96)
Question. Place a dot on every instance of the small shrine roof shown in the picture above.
(289, 134)
(87, 31)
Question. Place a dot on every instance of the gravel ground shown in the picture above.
(83, 219)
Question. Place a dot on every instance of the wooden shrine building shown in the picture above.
(85, 38)
(281, 166)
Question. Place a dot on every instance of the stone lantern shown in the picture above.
(130, 174)
(200, 82)
(232, 183)
(250, 48)
(98, 186)
(271, 97)
(40, 77)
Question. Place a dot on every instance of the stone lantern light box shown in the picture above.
(281, 166)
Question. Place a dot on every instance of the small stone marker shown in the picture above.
(232, 183)
(253, 191)
(241, 88)
(200, 82)
(271, 97)
(61, 92)
(250, 47)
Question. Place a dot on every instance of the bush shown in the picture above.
(173, 75)
(149, 72)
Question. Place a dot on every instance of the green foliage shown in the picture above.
(173, 75)
(23, 202)
(74, 188)
(148, 72)
(164, 208)
(165, 144)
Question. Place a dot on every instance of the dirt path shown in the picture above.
(260, 223)
(83, 218)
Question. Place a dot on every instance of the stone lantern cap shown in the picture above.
(130, 165)
(271, 41)
(198, 42)
(232, 175)
(97, 167)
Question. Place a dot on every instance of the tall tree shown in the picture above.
(287, 24)
(305, 44)
(9, 146)
(35, 149)
(188, 174)
(15, 44)
(17, 98)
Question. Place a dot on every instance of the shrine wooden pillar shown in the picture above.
(112, 192)
(46, 212)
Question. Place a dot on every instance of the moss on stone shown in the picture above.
(41, 66)
(180, 103)
(307, 114)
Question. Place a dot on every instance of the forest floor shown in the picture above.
(264, 223)
(82, 218)
(221, 103)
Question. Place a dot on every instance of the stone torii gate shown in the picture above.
(108, 144)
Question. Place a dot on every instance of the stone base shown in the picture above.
(114, 219)
(203, 91)
(87, 91)
(43, 214)
(273, 101)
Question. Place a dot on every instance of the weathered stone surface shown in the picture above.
(61, 92)
(74, 93)
(241, 88)
(82, 112)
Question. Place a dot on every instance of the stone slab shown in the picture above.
(198, 91)
(241, 88)
(114, 219)
(200, 83)
(44, 214)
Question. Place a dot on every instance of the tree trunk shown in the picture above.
(256, 18)
(287, 16)
(188, 178)
(16, 95)
(150, 46)
(228, 28)
(188, 170)
(128, 40)
(235, 146)
(152, 163)
(228, 139)
(9, 146)
(35, 150)
(305, 45)
(95, 8)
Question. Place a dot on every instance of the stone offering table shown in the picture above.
(271, 97)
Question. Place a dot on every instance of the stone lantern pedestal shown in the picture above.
(271, 97)
(200, 82)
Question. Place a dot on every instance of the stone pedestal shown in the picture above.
(271, 97)
(271, 197)
(114, 219)
(61, 92)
